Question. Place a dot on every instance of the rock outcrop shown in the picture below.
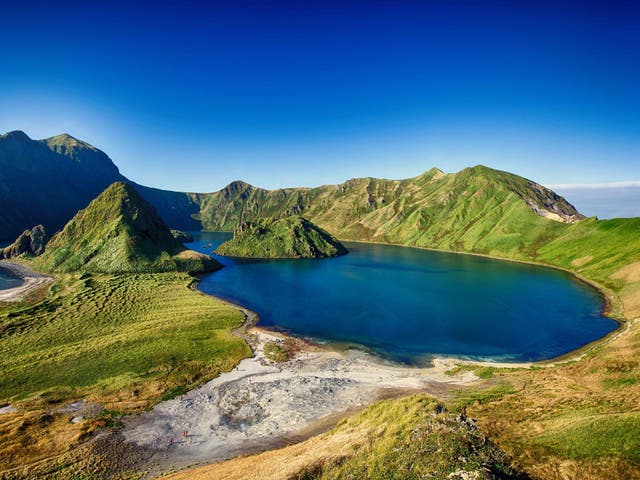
(181, 236)
(30, 242)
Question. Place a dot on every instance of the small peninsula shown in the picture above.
(288, 237)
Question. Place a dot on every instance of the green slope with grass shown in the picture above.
(412, 438)
(120, 232)
(99, 334)
(288, 237)
(477, 210)
(121, 342)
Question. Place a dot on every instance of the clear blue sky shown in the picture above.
(190, 97)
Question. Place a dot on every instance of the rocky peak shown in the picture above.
(30, 242)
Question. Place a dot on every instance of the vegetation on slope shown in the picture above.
(48, 181)
(408, 438)
(288, 237)
(477, 210)
(120, 232)
(577, 420)
(449, 211)
(606, 251)
(125, 341)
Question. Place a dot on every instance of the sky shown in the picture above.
(189, 97)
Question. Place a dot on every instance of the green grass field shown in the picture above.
(99, 334)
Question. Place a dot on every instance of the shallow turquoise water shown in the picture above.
(407, 303)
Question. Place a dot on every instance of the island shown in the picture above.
(288, 237)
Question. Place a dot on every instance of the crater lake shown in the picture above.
(407, 304)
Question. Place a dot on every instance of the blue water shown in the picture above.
(406, 303)
(8, 281)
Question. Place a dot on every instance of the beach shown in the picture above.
(32, 281)
(261, 405)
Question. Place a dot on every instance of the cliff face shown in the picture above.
(289, 237)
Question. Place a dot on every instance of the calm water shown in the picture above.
(7, 281)
(407, 303)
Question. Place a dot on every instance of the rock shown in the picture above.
(30, 242)
(181, 236)
(39, 239)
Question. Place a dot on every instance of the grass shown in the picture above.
(481, 371)
(409, 438)
(600, 437)
(99, 334)
(125, 341)
(288, 237)
(472, 396)
(276, 352)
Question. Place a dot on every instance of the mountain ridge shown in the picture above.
(77, 172)
(476, 210)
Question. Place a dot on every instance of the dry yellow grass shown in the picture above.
(281, 463)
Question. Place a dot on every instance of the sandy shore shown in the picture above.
(32, 281)
(261, 405)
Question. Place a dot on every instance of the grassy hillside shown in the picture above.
(474, 209)
(48, 181)
(288, 237)
(120, 232)
(606, 251)
(409, 438)
(477, 210)
(125, 341)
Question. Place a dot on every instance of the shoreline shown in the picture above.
(32, 281)
(261, 404)
(608, 299)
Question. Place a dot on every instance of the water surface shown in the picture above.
(8, 281)
(406, 303)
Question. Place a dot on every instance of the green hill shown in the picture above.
(477, 209)
(47, 181)
(289, 237)
(120, 232)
